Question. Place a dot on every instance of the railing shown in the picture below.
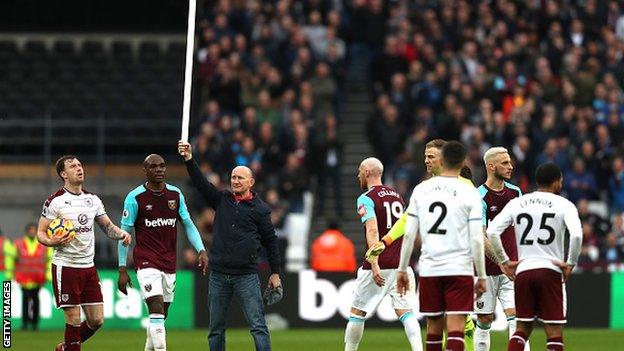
(100, 139)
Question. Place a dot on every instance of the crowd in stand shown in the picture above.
(542, 78)
(270, 80)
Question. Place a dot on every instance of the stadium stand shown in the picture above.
(322, 84)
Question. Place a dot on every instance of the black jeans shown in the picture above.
(30, 307)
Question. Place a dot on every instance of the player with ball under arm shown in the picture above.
(74, 278)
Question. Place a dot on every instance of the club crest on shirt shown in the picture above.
(362, 210)
(148, 287)
(64, 297)
(89, 202)
(480, 304)
(494, 208)
(83, 219)
(148, 207)
(172, 204)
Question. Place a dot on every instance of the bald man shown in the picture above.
(379, 208)
(153, 210)
(242, 225)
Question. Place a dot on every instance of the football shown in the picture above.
(60, 226)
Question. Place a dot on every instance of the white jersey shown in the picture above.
(540, 220)
(443, 207)
(81, 209)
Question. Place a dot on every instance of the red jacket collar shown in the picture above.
(248, 197)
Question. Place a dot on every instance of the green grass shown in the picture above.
(300, 340)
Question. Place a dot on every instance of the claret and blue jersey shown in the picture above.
(154, 217)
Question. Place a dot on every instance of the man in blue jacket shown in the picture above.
(242, 225)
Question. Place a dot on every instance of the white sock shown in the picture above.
(353, 333)
(412, 330)
(482, 337)
(157, 331)
(511, 321)
(148, 341)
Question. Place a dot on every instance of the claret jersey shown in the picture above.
(386, 206)
(154, 216)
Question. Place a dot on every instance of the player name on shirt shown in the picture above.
(535, 201)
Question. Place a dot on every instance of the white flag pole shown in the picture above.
(188, 72)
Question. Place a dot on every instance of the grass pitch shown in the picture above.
(301, 340)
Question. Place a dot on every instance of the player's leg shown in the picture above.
(455, 324)
(67, 287)
(520, 338)
(435, 327)
(506, 299)
(412, 328)
(92, 303)
(247, 291)
(151, 281)
(94, 319)
(432, 305)
(484, 308)
(552, 307)
(403, 307)
(554, 334)
(156, 328)
(525, 299)
(354, 329)
(366, 297)
(482, 333)
(72, 328)
(459, 301)
(220, 293)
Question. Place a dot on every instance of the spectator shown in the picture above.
(293, 182)
(611, 252)
(279, 210)
(332, 251)
(616, 185)
(328, 150)
(600, 226)
(323, 90)
(579, 183)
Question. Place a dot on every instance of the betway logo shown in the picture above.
(161, 222)
(83, 229)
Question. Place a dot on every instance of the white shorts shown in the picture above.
(367, 295)
(154, 282)
(498, 287)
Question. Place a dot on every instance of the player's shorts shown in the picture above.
(498, 287)
(367, 295)
(451, 294)
(540, 293)
(154, 282)
(76, 286)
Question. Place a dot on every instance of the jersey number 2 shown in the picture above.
(543, 225)
(435, 229)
